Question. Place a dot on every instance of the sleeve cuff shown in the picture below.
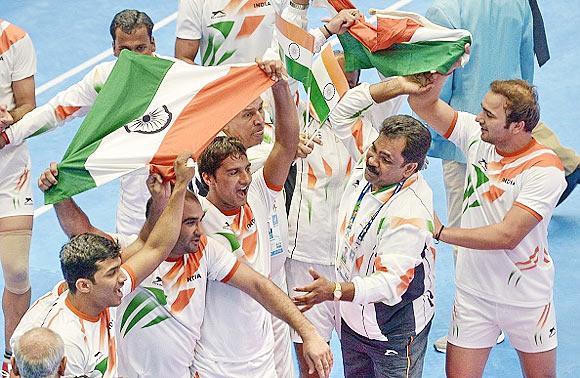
(359, 291)
(534, 213)
(232, 272)
(319, 39)
(452, 126)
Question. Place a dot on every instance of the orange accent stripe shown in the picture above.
(79, 313)
(405, 280)
(531, 211)
(233, 4)
(546, 160)
(379, 267)
(10, 36)
(343, 226)
(63, 112)
(357, 134)
(22, 179)
(529, 146)
(231, 212)
(349, 167)
(294, 33)
(275, 188)
(131, 274)
(415, 222)
(194, 129)
(334, 71)
(232, 272)
(182, 300)
(249, 25)
(493, 193)
(249, 244)
(358, 262)
(327, 168)
(452, 126)
(311, 177)
(54, 317)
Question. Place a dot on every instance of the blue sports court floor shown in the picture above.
(68, 35)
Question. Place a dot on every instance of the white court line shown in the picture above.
(373, 19)
(81, 67)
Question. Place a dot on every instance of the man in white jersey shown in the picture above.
(504, 272)
(97, 280)
(168, 306)
(131, 30)
(230, 31)
(17, 69)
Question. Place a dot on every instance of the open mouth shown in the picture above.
(372, 171)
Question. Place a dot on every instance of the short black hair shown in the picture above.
(417, 137)
(79, 257)
(219, 150)
(129, 20)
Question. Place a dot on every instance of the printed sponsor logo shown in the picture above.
(217, 14)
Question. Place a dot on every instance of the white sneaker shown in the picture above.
(441, 344)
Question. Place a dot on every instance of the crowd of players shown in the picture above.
(281, 236)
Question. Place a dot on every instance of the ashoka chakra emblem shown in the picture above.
(329, 91)
(294, 51)
(150, 123)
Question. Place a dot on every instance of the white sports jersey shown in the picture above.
(159, 323)
(532, 179)
(17, 62)
(322, 175)
(236, 328)
(89, 342)
(230, 31)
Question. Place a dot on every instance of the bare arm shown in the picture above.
(287, 127)
(165, 233)
(316, 351)
(516, 224)
(24, 97)
(186, 49)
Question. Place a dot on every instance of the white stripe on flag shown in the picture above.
(294, 51)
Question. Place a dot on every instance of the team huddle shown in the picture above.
(286, 227)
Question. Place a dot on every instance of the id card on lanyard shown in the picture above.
(347, 253)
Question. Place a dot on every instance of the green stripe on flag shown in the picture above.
(125, 96)
(404, 58)
(317, 100)
(296, 70)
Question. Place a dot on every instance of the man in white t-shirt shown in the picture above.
(504, 272)
(17, 69)
(97, 280)
(130, 30)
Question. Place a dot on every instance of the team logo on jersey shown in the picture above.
(483, 163)
(552, 332)
(329, 91)
(294, 51)
(262, 4)
(218, 14)
(28, 201)
(193, 277)
(151, 123)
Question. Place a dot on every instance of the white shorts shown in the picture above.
(262, 367)
(322, 315)
(476, 323)
(15, 185)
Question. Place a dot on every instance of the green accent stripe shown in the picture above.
(231, 238)
(132, 306)
(404, 58)
(157, 320)
(102, 365)
(127, 93)
(149, 306)
(296, 70)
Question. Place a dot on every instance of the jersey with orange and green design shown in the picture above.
(531, 179)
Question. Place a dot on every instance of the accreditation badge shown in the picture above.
(345, 261)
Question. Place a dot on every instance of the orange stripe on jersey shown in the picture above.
(532, 259)
(452, 126)
(232, 272)
(10, 36)
(349, 167)
(233, 4)
(276, 188)
(249, 25)
(327, 168)
(54, 317)
(398, 222)
(528, 148)
(131, 274)
(169, 276)
(182, 300)
(343, 226)
(250, 5)
(78, 313)
(544, 316)
(531, 211)
(357, 134)
(311, 177)
(358, 262)
(22, 179)
(379, 267)
(63, 112)
(405, 281)
(249, 244)
(493, 193)
(547, 160)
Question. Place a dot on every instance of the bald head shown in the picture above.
(39, 353)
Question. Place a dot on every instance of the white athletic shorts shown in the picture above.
(261, 367)
(15, 183)
(322, 315)
(476, 323)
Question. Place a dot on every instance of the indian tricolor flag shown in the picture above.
(296, 49)
(328, 83)
(149, 111)
(401, 43)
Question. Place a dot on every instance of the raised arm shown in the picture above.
(166, 231)
(316, 351)
(287, 127)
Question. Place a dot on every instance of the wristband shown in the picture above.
(5, 137)
(328, 31)
(436, 237)
(299, 6)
